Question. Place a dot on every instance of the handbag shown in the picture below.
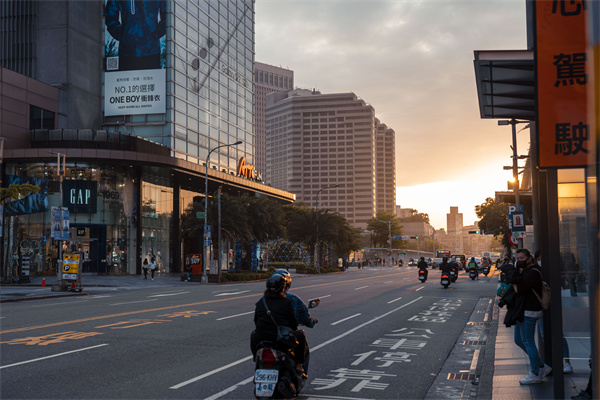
(502, 289)
(285, 334)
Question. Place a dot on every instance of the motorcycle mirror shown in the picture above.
(313, 303)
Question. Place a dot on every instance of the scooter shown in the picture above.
(472, 273)
(275, 374)
(486, 271)
(445, 281)
(422, 276)
(453, 275)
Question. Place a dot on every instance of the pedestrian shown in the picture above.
(152, 266)
(145, 268)
(526, 279)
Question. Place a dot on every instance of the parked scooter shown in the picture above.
(445, 281)
(276, 375)
(422, 276)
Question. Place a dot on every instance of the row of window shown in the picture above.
(272, 79)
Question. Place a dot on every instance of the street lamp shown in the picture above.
(317, 220)
(515, 167)
(389, 239)
(205, 260)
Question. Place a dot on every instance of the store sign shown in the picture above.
(80, 196)
(248, 170)
(563, 68)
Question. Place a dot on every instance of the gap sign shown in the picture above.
(80, 196)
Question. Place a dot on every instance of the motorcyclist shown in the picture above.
(473, 267)
(485, 263)
(454, 265)
(300, 311)
(422, 264)
(281, 309)
(445, 267)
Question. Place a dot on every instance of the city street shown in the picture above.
(381, 335)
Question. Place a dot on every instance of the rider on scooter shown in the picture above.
(300, 310)
(473, 267)
(422, 264)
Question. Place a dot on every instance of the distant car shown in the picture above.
(435, 264)
(412, 263)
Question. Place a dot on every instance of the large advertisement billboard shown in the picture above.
(135, 57)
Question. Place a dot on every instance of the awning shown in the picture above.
(505, 83)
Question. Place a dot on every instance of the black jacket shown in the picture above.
(445, 267)
(281, 309)
(527, 280)
(422, 265)
(514, 305)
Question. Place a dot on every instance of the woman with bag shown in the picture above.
(152, 266)
(527, 281)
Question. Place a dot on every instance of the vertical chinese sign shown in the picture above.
(562, 83)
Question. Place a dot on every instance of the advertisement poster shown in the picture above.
(135, 57)
(59, 228)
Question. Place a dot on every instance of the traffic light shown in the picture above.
(414, 237)
(474, 232)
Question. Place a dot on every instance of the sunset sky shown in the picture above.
(413, 62)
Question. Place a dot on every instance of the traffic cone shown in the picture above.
(73, 286)
(44, 282)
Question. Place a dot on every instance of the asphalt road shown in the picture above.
(381, 335)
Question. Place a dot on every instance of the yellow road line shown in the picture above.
(75, 321)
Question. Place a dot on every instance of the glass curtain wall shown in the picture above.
(574, 267)
(157, 212)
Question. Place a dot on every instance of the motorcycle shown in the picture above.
(422, 276)
(445, 281)
(472, 273)
(453, 275)
(275, 374)
(486, 271)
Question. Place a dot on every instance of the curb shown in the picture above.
(43, 297)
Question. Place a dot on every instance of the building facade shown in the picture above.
(267, 79)
(133, 123)
(385, 154)
(317, 141)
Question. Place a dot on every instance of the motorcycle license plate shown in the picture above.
(444, 282)
(265, 380)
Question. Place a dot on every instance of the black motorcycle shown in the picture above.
(275, 374)
(445, 281)
(422, 275)
(473, 273)
(486, 271)
(453, 275)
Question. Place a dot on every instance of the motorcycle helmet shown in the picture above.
(275, 283)
(286, 276)
(422, 258)
(445, 259)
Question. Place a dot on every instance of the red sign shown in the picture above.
(562, 82)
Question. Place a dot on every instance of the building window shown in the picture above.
(40, 118)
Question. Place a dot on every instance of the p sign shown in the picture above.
(512, 208)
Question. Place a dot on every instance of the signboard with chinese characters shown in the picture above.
(562, 80)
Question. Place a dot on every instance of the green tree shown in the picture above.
(418, 217)
(493, 217)
(14, 192)
(380, 226)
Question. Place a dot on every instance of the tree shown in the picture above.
(380, 228)
(15, 191)
(418, 217)
(494, 219)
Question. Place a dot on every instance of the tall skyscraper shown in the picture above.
(454, 221)
(385, 155)
(315, 141)
(267, 79)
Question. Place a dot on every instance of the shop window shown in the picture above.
(40, 118)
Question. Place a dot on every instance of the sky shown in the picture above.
(413, 62)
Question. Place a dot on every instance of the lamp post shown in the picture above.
(205, 260)
(317, 221)
(389, 239)
(515, 166)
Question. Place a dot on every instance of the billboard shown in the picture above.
(562, 83)
(135, 57)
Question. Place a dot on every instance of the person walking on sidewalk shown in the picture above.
(145, 268)
(525, 279)
(152, 266)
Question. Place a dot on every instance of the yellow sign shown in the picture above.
(70, 263)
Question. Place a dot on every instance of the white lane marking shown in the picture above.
(399, 298)
(232, 293)
(246, 381)
(362, 287)
(388, 282)
(52, 356)
(168, 294)
(419, 288)
(214, 371)
(58, 304)
(133, 302)
(100, 296)
(346, 319)
(314, 396)
(237, 315)
(322, 297)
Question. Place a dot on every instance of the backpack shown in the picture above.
(544, 298)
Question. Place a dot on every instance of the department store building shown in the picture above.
(129, 108)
